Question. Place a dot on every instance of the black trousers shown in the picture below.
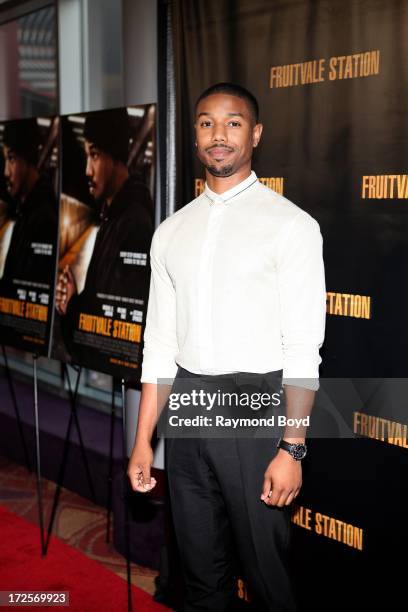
(219, 519)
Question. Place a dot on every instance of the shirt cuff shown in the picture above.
(158, 371)
(301, 375)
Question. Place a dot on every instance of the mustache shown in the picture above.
(219, 146)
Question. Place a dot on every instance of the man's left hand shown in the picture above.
(282, 480)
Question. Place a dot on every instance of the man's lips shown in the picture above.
(219, 152)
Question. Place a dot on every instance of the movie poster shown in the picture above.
(28, 231)
(105, 231)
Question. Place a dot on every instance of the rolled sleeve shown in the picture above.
(302, 297)
(160, 337)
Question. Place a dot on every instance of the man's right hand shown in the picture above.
(66, 287)
(140, 463)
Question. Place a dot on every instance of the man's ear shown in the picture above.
(256, 134)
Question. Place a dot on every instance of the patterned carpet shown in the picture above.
(78, 522)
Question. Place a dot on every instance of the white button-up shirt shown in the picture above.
(237, 285)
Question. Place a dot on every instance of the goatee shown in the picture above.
(223, 171)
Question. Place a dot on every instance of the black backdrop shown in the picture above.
(322, 138)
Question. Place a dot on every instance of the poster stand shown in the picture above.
(73, 394)
(126, 498)
(126, 495)
(38, 459)
(110, 472)
(16, 410)
(73, 418)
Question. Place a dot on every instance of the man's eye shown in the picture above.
(205, 123)
(234, 123)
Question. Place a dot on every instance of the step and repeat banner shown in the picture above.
(76, 223)
(331, 80)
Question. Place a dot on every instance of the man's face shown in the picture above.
(16, 171)
(100, 168)
(226, 134)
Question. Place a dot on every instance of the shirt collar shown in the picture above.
(231, 193)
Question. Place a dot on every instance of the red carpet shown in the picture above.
(91, 587)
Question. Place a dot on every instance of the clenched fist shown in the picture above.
(140, 463)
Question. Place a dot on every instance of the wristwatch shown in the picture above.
(297, 451)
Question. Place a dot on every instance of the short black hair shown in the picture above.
(109, 131)
(23, 137)
(232, 89)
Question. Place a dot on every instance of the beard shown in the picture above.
(221, 171)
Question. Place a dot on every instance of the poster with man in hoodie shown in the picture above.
(28, 231)
(106, 227)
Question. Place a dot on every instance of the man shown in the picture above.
(126, 226)
(35, 208)
(237, 292)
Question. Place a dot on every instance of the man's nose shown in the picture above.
(219, 133)
(88, 170)
(7, 170)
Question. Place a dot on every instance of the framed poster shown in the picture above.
(28, 231)
(105, 231)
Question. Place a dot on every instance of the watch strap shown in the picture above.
(291, 448)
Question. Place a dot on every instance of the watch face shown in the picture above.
(298, 451)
